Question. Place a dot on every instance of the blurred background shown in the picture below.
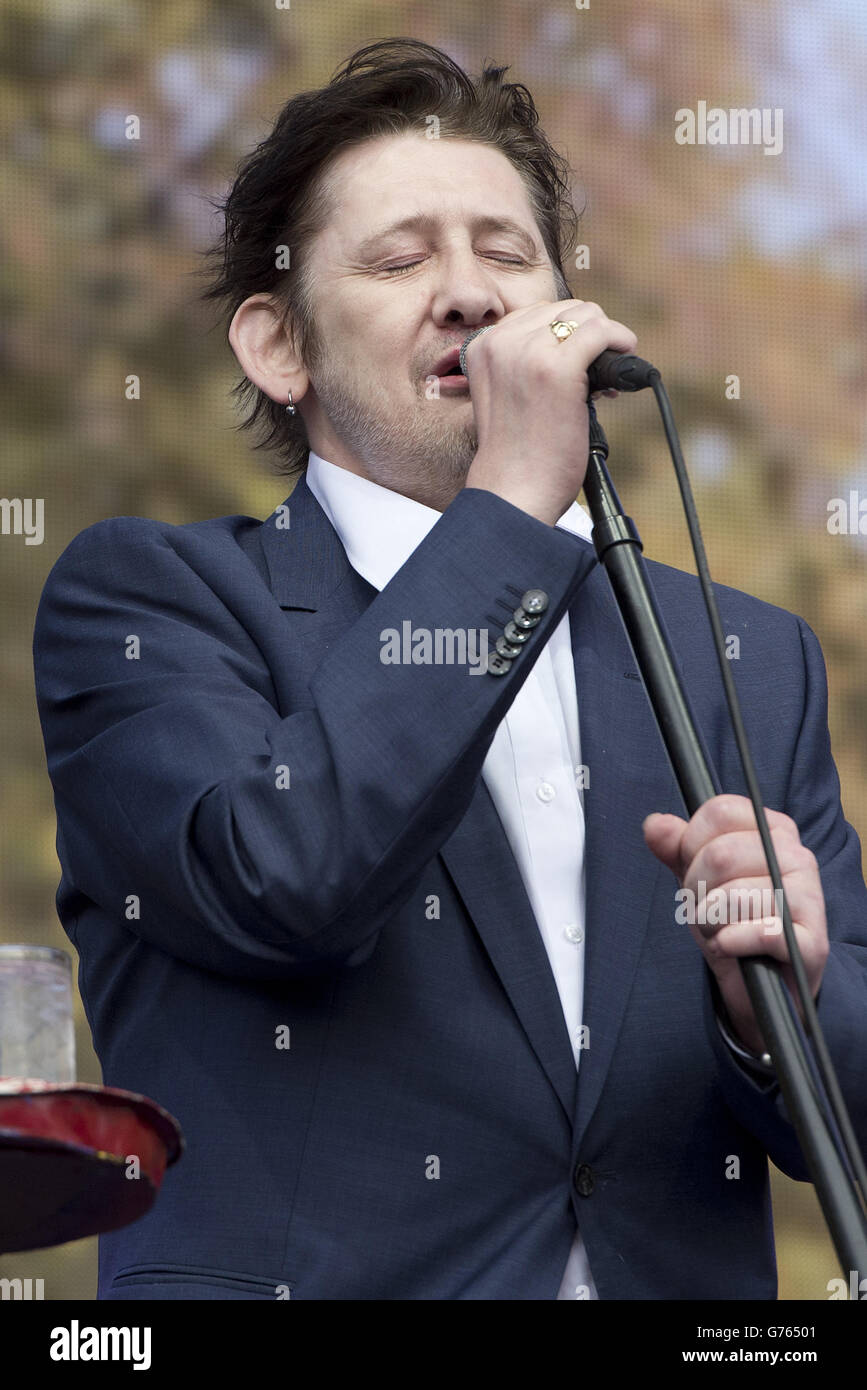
(727, 262)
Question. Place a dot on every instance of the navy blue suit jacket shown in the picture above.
(424, 1135)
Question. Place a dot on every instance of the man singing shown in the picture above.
(369, 842)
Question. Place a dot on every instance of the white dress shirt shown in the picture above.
(532, 766)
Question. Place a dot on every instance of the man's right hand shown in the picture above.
(529, 395)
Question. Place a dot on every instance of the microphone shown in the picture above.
(618, 371)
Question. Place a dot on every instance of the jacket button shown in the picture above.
(524, 620)
(584, 1179)
(517, 636)
(498, 665)
(535, 601)
(507, 649)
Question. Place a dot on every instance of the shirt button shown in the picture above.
(584, 1179)
(545, 791)
(573, 933)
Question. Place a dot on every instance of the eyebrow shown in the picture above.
(427, 223)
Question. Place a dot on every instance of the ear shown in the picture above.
(264, 349)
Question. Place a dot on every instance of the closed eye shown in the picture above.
(408, 265)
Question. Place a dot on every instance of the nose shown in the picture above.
(466, 292)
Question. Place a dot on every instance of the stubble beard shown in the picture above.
(423, 451)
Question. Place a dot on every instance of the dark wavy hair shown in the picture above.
(278, 196)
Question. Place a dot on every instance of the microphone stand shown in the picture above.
(618, 546)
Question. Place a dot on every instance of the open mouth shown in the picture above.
(452, 383)
(448, 373)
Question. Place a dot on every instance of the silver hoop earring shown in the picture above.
(291, 409)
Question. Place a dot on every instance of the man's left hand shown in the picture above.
(718, 857)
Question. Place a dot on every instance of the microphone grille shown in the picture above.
(461, 355)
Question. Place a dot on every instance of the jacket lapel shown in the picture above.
(629, 776)
(305, 558)
(479, 860)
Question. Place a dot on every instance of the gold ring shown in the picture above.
(563, 329)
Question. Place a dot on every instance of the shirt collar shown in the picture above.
(379, 528)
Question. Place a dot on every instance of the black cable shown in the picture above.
(837, 1116)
